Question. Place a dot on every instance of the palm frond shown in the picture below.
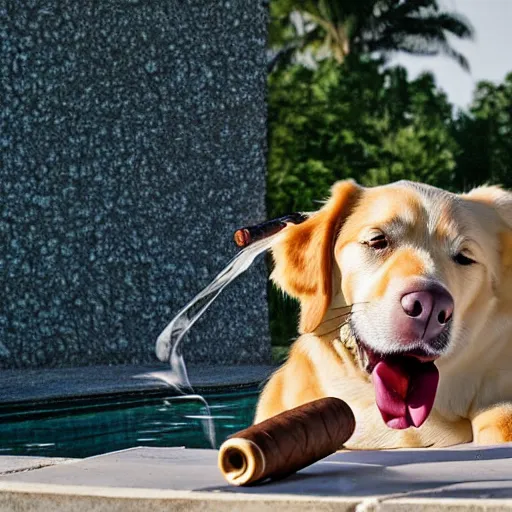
(382, 26)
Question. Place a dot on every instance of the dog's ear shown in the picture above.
(500, 201)
(304, 256)
(498, 198)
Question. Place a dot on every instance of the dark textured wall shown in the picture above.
(132, 139)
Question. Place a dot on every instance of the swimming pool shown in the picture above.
(86, 427)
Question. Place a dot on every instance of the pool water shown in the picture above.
(100, 426)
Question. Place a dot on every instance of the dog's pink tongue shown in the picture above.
(405, 393)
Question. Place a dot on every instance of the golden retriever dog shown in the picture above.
(406, 314)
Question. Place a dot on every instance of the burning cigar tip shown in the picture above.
(242, 237)
(249, 234)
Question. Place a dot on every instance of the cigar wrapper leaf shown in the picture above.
(286, 443)
(246, 236)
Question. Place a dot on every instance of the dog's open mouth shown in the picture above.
(405, 385)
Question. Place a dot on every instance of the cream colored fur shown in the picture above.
(322, 263)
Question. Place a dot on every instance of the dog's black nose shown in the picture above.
(429, 310)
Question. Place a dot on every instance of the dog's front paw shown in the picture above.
(493, 426)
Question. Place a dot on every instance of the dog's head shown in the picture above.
(421, 270)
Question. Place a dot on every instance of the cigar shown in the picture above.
(286, 443)
(246, 236)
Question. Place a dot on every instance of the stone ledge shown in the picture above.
(454, 479)
(34, 498)
(21, 386)
(445, 505)
(18, 497)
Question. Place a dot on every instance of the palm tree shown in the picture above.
(342, 27)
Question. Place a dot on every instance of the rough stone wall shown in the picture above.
(132, 138)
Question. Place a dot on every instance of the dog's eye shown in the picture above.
(378, 242)
(462, 259)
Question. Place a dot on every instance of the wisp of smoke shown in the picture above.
(168, 345)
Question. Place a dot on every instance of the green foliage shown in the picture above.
(485, 137)
(353, 121)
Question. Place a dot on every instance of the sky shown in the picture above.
(489, 54)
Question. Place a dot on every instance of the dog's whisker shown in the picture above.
(348, 306)
(333, 330)
(340, 315)
(336, 317)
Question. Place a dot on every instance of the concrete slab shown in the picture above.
(460, 478)
(14, 464)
